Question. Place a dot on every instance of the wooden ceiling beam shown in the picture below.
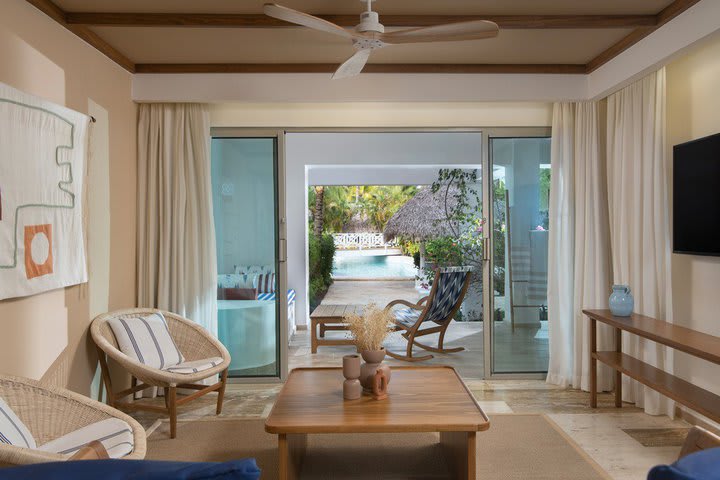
(57, 14)
(436, 68)
(263, 21)
(667, 14)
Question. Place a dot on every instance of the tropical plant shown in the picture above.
(463, 216)
(370, 203)
(370, 328)
(321, 255)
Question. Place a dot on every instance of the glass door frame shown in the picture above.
(488, 299)
(487, 133)
(281, 235)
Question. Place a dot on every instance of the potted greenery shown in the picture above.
(369, 331)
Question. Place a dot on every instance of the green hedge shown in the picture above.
(322, 254)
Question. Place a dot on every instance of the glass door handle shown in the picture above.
(282, 247)
(486, 249)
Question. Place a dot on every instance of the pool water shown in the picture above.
(357, 264)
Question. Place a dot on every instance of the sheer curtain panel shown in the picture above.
(579, 257)
(177, 267)
(639, 221)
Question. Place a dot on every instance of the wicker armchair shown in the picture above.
(50, 413)
(191, 339)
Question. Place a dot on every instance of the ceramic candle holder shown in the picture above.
(352, 390)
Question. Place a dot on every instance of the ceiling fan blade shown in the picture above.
(353, 65)
(450, 32)
(300, 18)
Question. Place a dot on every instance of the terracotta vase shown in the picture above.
(352, 390)
(373, 362)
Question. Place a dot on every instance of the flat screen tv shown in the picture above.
(696, 196)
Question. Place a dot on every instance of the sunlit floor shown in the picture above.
(524, 350)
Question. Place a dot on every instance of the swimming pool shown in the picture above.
(357, 264)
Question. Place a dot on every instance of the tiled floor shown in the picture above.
(625, 442)
(602, 433)
(523, 350)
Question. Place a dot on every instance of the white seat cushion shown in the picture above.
(115, 435)
(147, 340)
(195, 366)
(12, 430)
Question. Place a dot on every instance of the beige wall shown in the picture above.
(693, 111)
(370, 114)
(45, 336)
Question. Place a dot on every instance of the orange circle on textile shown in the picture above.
(38, 237)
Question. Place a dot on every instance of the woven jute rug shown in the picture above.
(517, 446)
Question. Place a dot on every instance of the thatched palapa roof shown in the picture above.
(423, 217)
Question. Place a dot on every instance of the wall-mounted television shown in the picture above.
(696, 197)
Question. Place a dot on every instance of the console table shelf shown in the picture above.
(702, 401)
(684, 339)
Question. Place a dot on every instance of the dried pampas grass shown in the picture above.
(371, 328)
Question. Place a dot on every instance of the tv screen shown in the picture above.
(696, 196)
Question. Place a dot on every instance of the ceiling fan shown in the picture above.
(370, 34)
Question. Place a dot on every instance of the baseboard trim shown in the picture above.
(696, 420)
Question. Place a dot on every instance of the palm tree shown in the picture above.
(319, 213)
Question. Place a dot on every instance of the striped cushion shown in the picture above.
(195, 366)
(147, 340)
(271, 296)
(115, 435)
(447, 292)
(266, 283)
(407, 316)
(12, 430)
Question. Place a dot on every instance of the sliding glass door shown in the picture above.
(251, 305)
(519, 194)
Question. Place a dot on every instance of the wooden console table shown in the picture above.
(695, 343)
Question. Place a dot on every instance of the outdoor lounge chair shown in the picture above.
(196, 345)
(446, 296)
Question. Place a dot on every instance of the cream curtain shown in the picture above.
(579, 250)
(639, 223)
(177, 267)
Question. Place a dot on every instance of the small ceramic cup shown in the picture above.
(351, 366)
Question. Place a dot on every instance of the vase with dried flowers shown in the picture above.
(369, 330)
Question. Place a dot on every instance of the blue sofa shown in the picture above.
(703, 465)
(134, 469)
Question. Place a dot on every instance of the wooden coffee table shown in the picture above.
(422, 399)
(330, 317)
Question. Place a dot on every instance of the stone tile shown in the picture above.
(607, 434)
(491, 407)
(658, 437)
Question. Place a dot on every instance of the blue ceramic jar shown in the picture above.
(621, 301)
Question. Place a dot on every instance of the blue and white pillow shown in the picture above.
(238, 280)
(266, 283)
(12, 430)
(147, 340)
(254, 269)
